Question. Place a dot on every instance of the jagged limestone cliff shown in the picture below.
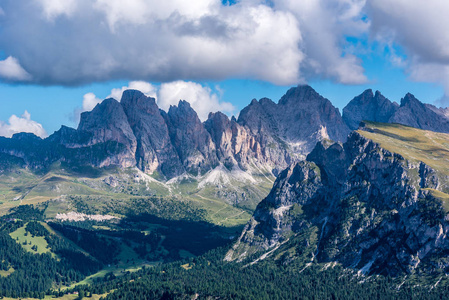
(357, 204)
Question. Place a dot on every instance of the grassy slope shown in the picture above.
(39, 241)
(7, 272)
(415, 145)
(65, 297)
(20, 187)
(430, 147)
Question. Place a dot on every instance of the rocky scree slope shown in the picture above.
(356, 204)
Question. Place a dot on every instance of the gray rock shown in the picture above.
(108, 124)
(368, 107)
(191, 140)
(366, 206)
(154, 151)
(414, 113)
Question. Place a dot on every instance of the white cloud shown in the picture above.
(142, 11)
(97, 40)
(145, 87)
(10, 69)
(90, 101)
(55, 8)
(324, 25)
(21, 124)
(420, 29)
(202, 99)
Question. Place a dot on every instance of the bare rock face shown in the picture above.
(356, 204)
(290, 129)
(411, 112)
(370, 107)
(307, 116)
(154, 151)
(414, 113)
(108, 126)
(220, 129)
(301, 117)
(267, 136)
(191, 140)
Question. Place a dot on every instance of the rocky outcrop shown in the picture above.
(356, 204)
(301, 119)
(370, 107)
(154, 151)
(411, 112)
(267, 137)
(108, 125)
(191, 140)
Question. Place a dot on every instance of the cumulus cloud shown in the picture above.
(324, 26)
(55, 8)
(202, 99)
(421, 30)
(10, 69)
(90, 101)
(145, 87)
(21, 124)
(83, 41)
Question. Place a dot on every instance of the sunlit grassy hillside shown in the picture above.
(413, 144)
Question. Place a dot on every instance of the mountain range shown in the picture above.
(367, 189)
(269, 135)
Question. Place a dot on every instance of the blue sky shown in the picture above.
(62, 57)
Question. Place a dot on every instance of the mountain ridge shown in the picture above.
(135, 132)
(356, 204)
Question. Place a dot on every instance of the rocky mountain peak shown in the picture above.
(137, 98)
(190, 138)
(411, 101)
(367, 95)
(154, 151)
(135, 132)
(357, 204)
(108, 124)
(368, 106)
(25, 136)
(301, 93)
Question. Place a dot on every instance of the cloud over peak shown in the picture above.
(21, 124)
(202, 98)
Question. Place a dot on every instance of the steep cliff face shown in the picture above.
(266, 138)
(319, 118)
(108, 126)
(154, 149)
(300, 119)
(411, 112)
(357, 204)
(191, 140)
(414, 113)
(220, 129)
(274, 135)
(370, 107)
